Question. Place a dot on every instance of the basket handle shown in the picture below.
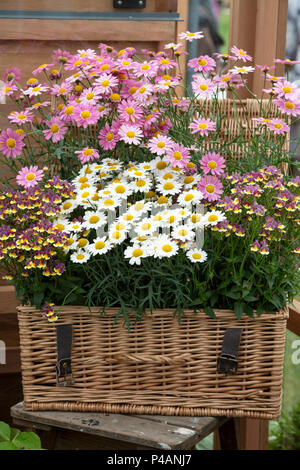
(148, 358)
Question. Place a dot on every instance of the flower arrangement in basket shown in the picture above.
(123, 193)
(128, 191)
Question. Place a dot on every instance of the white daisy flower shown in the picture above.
(75, 227)
(196, 220)
(120, 226)
(82, 243)
(135, 253)
(116, 236)
(109, 203)
(144, 185)
(213, 217)
(196, 256)
(165, 247)
(94, 220)
(140, 208)
(71, 243)
(80, 256)
(190, 197)
(171, 218)
(68, 206)
(159, 164)
(191, 181)
(146, 227)
(61, 224)
(169, 188)
(183, 233)
(121, 189)
(99, 246)
(127, 218)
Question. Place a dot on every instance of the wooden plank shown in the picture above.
(181, 27)
(8, 302)
(76, 30)
(79, 5)
(260, 28)
(125, 428)
(252, 434)
(293, 323)
(10, 393)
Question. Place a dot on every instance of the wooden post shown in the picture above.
(260, 28)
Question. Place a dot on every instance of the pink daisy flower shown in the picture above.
(143, 93)
(166, 64)
(35, 90)
(145, 69)
(29, 177)
(203, 126)
(87, 155)
(278, 126)
(12, 73)
(287, 62)
(210, 187)
(202, 87)
(160, 145)
(212, 163)
(11, 144)
(85, 115)
(240, 54)
(61, 57)
(130, 134)
(284, 89)
(74, 63)
(108, 136)
(56, 130)
(188, 36)
(130, 111)
(90, 96)
(178, 155)
(290, 105)
(105, 83)
(7, 89)
(41, 68)
(62, 89)
(203, 63)
(20, 117)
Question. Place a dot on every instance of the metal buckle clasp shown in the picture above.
(227, 364)
(64, 376)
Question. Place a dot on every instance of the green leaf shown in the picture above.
(28, 440)
(239, 309)
(8, 446)
(209, 311)
(4, 431)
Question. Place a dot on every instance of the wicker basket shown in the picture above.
(159, 367)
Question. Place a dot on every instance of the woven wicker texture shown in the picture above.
(159, 367)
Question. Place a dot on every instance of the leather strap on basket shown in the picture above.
(64, 376)
(227, 361)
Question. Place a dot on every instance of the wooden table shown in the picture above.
(60, 430)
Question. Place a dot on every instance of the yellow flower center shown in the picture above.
(54, 128)
(103, 68)
(109, 136)
(85, 114)
(78, 88)
(191, 35)
(69, 110)
(164, 61)
(137, 252)
(167, 248)
(212, 165)
(177, 156)
(82, 242)
(188, 179)
(109, 202)
(202, 126)
(60, 227)
(67, 205)
(168, 185)
(278, 125)
(142, 90)
(202, 62)
(62, 90)
(31, 80)
(129, 110)
(128, 217)
(116, 235)
(133, 89)
(162, 200)
(161, 165)
(203, 87)
(120, 189)
(11, 143)
(188, 197)
(99, 245)
(140, 183)
(120, 227)
(289, 105)
(287, 89)
(30, 176)
(183, 232)
(190, 165)
(78, 62)
(105, 83)
(145, 67)
(88, 152)
(36, 88)
(115, 97)
(161, 145)
(130, 134)
(195, 218)
(146, 226)
(212, 218)
(196, 256)
(94, 219)
(90, 95)
(241, 52)
(210, 188)
(226, 78)
(80, 257)
(21, 116)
